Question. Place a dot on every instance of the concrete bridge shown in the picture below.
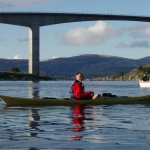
(35, 20)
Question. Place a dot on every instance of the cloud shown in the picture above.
(140, 44)
(17, 57)
(146, 33)
(122, 45)
(141, 30)
(54, 57)
(94, 35)
(135, 44)
(16, 3)
(101, 32)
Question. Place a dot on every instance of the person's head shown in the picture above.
(79, 76)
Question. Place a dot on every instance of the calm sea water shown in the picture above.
(77, 127)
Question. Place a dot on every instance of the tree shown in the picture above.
(14, 69)
(147, 70)
(140, 67)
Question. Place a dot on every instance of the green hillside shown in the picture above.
(135, 74)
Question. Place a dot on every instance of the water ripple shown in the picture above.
(77, 127)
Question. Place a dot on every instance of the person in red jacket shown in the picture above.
(77, 89)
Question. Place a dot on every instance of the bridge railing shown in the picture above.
(55, 12)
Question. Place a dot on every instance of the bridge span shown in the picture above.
(36, 20)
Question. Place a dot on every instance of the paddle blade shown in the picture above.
(94, 96)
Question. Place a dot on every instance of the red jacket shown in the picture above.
(78, 90)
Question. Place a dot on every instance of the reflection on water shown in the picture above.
(78, 119)
(33, 89)
(33, 124)
(33, 92)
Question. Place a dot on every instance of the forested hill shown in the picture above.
(90, 64)
(135, 74)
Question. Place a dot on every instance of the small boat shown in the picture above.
(103, 100)
(144, 83)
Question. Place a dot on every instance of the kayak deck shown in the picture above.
(18, 101)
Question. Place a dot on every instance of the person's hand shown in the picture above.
(95, 96)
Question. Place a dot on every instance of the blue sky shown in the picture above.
(118, 38)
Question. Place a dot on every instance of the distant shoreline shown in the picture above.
(25, 79)
(13, 76)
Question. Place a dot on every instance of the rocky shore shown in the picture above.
(121, 78)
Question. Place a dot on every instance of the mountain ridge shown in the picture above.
(89, 64)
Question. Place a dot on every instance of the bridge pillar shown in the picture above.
(34, 33)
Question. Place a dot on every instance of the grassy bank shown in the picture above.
(4, 76)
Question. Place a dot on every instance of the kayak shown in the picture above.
(103, 100)
(145, 84)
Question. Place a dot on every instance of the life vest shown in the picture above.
(71, 91)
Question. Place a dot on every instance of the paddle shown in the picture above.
(104, 94)
(95, 96)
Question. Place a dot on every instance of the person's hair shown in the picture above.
(79, 73)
